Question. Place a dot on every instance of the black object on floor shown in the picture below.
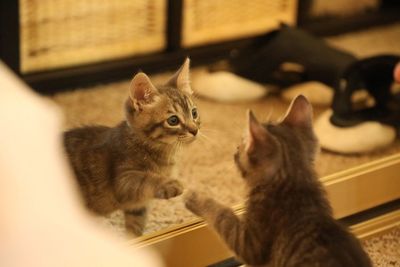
(376, 75)
(288, 56)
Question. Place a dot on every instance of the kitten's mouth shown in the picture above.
(186, 139)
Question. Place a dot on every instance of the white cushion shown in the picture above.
(226, 87)
(317, 93)
(362, 138)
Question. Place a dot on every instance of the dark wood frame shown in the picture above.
(9, 34)
(389, 12)
(60, 79)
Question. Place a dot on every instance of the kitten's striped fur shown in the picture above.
(288, 220)
(125, 166)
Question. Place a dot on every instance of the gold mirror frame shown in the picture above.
(350, 191)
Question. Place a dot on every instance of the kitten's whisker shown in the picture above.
(210, 129)
(268, 117)
(231, 166)
(210, 140)
(206, 137)
(195, 95)
(238, 127)
(212, 134)
(205, 141)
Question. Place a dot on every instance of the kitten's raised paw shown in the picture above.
(169, 189)
(193, 202)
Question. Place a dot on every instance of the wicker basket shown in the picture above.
(210, 21)
(62, 33)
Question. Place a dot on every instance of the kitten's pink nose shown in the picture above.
(193, 131)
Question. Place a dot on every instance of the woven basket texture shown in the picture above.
(63, 33)
(209, 21)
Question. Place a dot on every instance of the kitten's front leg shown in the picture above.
(208, 208)
(200, 205)
(168, 189)
(134, 188)
(239, 237)
(135, 220)
(138, 186)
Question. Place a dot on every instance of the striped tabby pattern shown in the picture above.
(288, 219)
(125, 166)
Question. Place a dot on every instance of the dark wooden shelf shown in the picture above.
(57, 80)
(80, 76)
(334, 25)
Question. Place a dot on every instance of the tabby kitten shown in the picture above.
(125, 166)
(288, 219)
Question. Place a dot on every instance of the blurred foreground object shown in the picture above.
(43, 222)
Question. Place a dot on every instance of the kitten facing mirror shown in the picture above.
(124, 167)
(288, 219)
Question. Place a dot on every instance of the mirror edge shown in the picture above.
(179, 245)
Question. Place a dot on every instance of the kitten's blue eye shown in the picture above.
(173, 120)
(194, 113)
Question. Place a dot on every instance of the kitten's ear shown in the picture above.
(256, 133)
(141, 90)
(181, 79)
(299, 113)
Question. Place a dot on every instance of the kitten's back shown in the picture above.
(89, 155)
(320, 241)
(89, 134)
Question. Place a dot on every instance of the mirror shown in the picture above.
(207, 164)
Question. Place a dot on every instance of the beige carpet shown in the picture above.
(384, 250)
(207, 164)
